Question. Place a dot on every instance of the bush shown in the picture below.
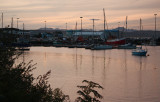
(17, 84)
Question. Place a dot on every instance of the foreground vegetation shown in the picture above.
(17, 84)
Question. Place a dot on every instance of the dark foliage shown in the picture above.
(17, 84)
(88, 92)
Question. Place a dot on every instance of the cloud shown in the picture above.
(58, 12)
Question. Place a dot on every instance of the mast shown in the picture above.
(140, 24)
(76, 26)
(104, 23)
(12, 25)
(140, 29)
(104, 19)
(2, 20)
(155, 26)
(45, 26)
(126, 22)
(75, 30)
(23, 29)
(81, 25)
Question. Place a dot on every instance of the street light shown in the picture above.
(81, 25)
(155, 26)
(17, 23)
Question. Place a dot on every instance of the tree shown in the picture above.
(88, 92)
(17, 84)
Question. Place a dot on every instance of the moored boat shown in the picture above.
(101, 47)
(120, 41)
(127, 46)
(139, 52)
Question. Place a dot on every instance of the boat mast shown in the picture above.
(12, 25)
(75, 30)
(140, 29)
(126, 22)
(140, 24)
(2, 20)
(104, 19)
(104, 23)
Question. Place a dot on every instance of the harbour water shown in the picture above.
(125, 78)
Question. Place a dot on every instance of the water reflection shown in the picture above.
(92, 63)
(125, 77)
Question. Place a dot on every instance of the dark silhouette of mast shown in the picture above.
(2, 20)
(126, 23)
(105, 23)
(12, 25)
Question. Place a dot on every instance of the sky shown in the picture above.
(56, 13)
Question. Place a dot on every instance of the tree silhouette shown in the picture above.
(17, 83)
(88, 92)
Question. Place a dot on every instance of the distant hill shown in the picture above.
(124, 29)
(46, 29)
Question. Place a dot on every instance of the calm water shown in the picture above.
(125, 78)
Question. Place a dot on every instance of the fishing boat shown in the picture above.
(139, 51)
(118, 41)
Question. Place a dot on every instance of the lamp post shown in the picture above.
(81, 25)
(155, 26)
(17, 23)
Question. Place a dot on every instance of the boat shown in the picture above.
(118, 41)
(101, 47)
(139, 51)
(127, 46)
(57, 44)
(89, 46)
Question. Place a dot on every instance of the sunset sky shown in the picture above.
(59, 12)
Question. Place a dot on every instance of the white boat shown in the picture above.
(139, 52)
(101, 47)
